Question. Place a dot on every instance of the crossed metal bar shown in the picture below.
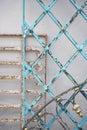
(27, 70)
(63, 108)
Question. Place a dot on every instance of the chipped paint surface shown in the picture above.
(65, 17)
(29, 29)
(6, 76)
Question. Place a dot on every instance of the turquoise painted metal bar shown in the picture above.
(80, 125)
(63, 69)
(77, 6)
(60, 27)
(27, 70)
(40, 17)
(55, 77)
(23, 66)
(65, 105)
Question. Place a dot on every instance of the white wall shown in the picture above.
(11, 22)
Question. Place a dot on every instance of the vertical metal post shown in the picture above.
(23, 60)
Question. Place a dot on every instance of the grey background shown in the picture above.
(11, 23)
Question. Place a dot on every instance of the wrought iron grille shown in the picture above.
(29, 70)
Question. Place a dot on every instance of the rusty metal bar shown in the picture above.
(31, 49)
(9, 63)
(20, 35)
(32, 92)
(10, 49)
(38, 68)
(10, 120)
(9, 106)
(15, 77)
(9, 77)
(9, 92)
(18, 92)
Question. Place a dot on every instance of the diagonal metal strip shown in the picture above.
(39, 18)
(80, 125)
(65, 105)
(49, 7)
(27, 29)
(43, 53)
(29, 110)
(78, 7)
(59, 25)
(49, 52)
(46, 87)
(37, 78)
(57, 36)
